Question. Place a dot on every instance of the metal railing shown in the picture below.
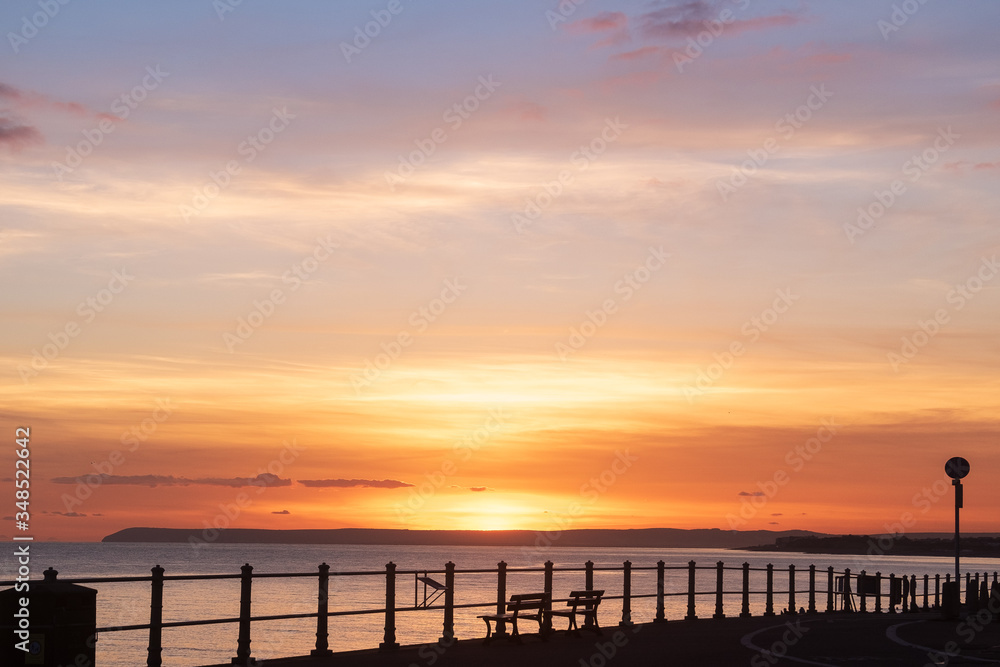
(840, 587)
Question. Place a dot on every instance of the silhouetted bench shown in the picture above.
(530, 606)
(584, 604)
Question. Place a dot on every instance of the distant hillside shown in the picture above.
(978, 545)
(648, 537)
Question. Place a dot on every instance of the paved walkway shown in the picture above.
(890, 640)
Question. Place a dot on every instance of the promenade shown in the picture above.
(890, 640)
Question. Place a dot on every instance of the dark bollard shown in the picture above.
(691, 615)
(769, 600)
(812, 589)
(322, 617)
(243, 658)
(626, 621)
(829, 590)
(792, 609)
(745, 610)
(389, 639)
(951, 599)
(661, 615)
(448, 632)
(155, 650)
(719, 574)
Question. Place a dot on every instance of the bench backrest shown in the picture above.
(585, 599)
(527, 601)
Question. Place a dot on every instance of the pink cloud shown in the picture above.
(16, 136)
(681, 21)
(601, 23)
(637, 54)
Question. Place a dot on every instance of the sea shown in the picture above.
(120, 604)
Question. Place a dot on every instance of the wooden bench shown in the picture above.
(530, 606)
(584, 604)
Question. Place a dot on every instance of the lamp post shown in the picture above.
(957, 468)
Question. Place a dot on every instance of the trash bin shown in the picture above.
(62, 621)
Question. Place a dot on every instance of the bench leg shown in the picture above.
(489, 632)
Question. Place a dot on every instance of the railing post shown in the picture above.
(769, 604)
(847, 589)
(745, 608)
(878, 592)
(970, 596)
(322, 617)
(626, 595)
(660, 609)
(829, 590)
(719, 573)
(389, 640)
(862, 593)
(906, 593)
(913, 593)
(501, 626)
(546, 617)
(812, 589)
(448, 632)
(691, 615)
(937, 591)
(588, 580)
(926, 592)
(791, 590)
(154, 658)
(246, 591)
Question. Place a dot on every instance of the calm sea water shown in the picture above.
(128, 603)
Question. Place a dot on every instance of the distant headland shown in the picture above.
(646, 537)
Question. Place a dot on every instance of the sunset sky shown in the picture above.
(399, 264)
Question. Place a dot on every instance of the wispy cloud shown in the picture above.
(348, 483)
(263, 479)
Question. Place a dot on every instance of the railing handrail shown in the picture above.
(906, 582)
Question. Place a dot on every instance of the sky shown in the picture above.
(539, 265)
